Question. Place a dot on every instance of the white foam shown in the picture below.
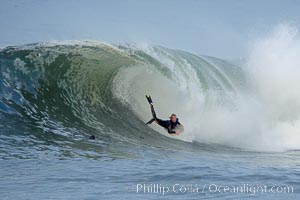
(264, 117)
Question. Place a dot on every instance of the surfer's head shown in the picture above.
(173, 118)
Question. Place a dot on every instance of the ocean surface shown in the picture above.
(241, 138)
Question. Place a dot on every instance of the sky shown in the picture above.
(220, 28)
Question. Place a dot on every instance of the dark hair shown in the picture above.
(173, 115)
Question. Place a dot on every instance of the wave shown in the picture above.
(73, 89)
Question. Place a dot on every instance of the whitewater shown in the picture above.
(242, 120)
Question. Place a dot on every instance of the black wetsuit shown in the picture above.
(168, 124)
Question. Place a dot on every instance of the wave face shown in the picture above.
(60, 93)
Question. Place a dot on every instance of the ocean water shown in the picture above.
(241, 138)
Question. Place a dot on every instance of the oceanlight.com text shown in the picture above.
(212, 188)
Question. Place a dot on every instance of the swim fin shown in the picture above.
(148, 97)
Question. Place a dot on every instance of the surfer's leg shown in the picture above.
(153, 115)
(150, 121)
(162, 123)
(153, 112)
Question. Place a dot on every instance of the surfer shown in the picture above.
(170, 124)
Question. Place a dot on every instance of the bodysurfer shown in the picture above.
(170, 125)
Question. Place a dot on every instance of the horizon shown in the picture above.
(223, 29)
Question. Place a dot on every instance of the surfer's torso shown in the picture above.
(168, 124)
